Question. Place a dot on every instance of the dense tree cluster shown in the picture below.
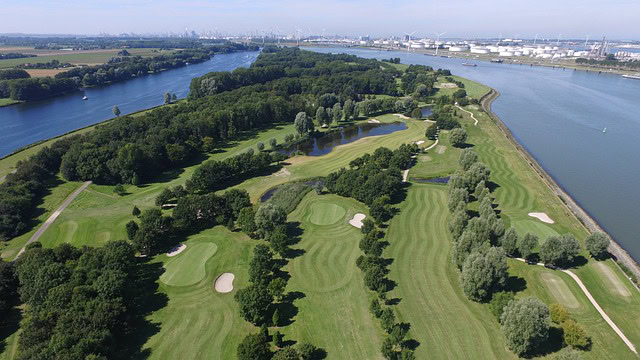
(525, 324)
(597, 244)
(12, 74)
(8, 286)
(444, 118)
(419, 79)
(215, 175)
(366, 181)
(7, 56)
(559, 250)
(53, 64)
(35, 88)
(79, 301)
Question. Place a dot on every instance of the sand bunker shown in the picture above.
(447, 86)
(420, 142)
(402, 116)
(357, 220)
(542, 217)
(177, 250)
(374, 121)
(224, 283)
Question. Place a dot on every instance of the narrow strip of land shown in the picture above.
(470, 113)
(596, 305)
(53, 217)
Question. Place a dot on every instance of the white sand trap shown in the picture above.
(542, 217)
(224, 283)
(608, 274)
(402, 116)
(177, 250)
(373, 121)
(357, 220)
(420, 142)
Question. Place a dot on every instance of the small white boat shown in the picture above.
(604, 130)
(85, 97)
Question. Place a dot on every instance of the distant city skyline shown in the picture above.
(458, 18)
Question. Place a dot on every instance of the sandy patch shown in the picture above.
(282, 172)
(441, 149)
(44, 72)
(402, 116)
(357, 220)
(560, 290)
(224, 283)
(542, 217)
(447, 86)
(373, 121)
(176, 250)
(607, 274)
(420, 142)
(425, 158)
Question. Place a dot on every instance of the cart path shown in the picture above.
(54, 216)
(596, 305)
(470, 113)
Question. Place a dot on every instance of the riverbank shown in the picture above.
(8, 102)
(578, 212)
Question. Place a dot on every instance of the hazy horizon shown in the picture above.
(458, 18)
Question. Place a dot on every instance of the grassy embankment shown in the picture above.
(7, 102)
(333, 314)
(89, 57)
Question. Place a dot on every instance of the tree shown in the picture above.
(246, 221)
(8, 286)
(277, 339)
(321, 116)
(483, 272)
(174, 98)
(275, 318)
(167, 98)
(498, 302)
(276, 288)
(380, 210)
(457, 197)
(260, 146)
(337, 112)
(567, 354)
(268, 217)
(467, 158)
(375, 308)
(416, 113)
(510, 242)
(154, 230)
(558, 250)
(458, 137)
(387, 319)
(119, 189)
(116, 111)
(574, 334)
(597, 244)
(526, 245)
(273, 143)
(559, 313)
(303, 123)
(432, 132)
(135, 212)
(348, 110)
(132, 229)
(254, 347)
(308, 351)
(253, 302)
(525, 324)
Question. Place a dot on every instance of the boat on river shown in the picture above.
(632, 76)
(469, 64)
(85, 97)
(499, 61)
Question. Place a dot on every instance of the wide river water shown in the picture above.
(558, 116)
(24, 124)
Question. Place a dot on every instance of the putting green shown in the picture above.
(188, 267)
(535, 227)
(560, 290)
(324, 213)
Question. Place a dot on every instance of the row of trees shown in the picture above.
(7, 56)
(27, 89)
(12, 74)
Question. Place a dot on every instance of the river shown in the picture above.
(558, 116)
(26, 123)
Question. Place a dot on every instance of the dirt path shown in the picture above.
(54, 216)
(597, 306)
(470, 113)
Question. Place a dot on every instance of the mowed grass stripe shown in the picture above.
(188, 268)
(445, 323)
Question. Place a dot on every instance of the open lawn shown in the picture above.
(333, 313)
(89, 57)
(7, 102)
(436, 162)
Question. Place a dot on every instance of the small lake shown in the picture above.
(438, 180)
(323, 144)
(426, 111)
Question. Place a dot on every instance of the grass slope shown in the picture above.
(88, 57)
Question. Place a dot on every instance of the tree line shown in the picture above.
(7, 56)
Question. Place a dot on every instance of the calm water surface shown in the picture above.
(559, 115)
(27, 123)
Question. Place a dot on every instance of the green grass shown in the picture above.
(187, 268)
(93, 58)
(7, 102)
(442, 160)
(535, 227)
(333, 313)
(326, 213)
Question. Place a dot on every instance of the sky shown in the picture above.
(617, 19)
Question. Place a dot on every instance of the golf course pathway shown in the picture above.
(54, 216)
(596, 305)
(470, 113)
(432, 145)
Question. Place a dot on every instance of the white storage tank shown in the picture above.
(506, 53)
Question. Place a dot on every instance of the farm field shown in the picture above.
(88, 57)
(331, 309)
